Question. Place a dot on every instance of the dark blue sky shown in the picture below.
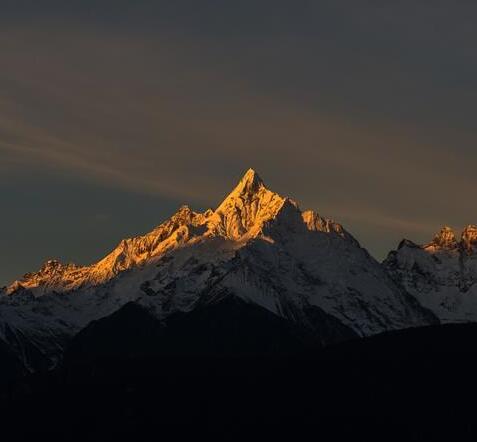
(114, 113)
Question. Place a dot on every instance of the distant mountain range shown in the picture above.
(442, 275)
(257, 275)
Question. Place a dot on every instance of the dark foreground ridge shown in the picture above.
(226, 327)
(118, 383)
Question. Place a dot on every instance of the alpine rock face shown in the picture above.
(257, 247)
(442, 275)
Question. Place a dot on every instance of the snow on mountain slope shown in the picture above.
(256, 245)
(55, 276)
(239, 217)
(442, 275)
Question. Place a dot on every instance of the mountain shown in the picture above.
(257, 248)
(442, 274)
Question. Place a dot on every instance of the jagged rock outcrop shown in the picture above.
(469, 239)
(445, 239)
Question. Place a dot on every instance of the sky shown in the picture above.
(115, 113)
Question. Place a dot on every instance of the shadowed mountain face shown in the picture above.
(228, 327)
(10, 365)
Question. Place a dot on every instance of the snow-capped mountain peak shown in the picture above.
(247, 208)
(446, 240)
(257, 246)
(249, 183)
